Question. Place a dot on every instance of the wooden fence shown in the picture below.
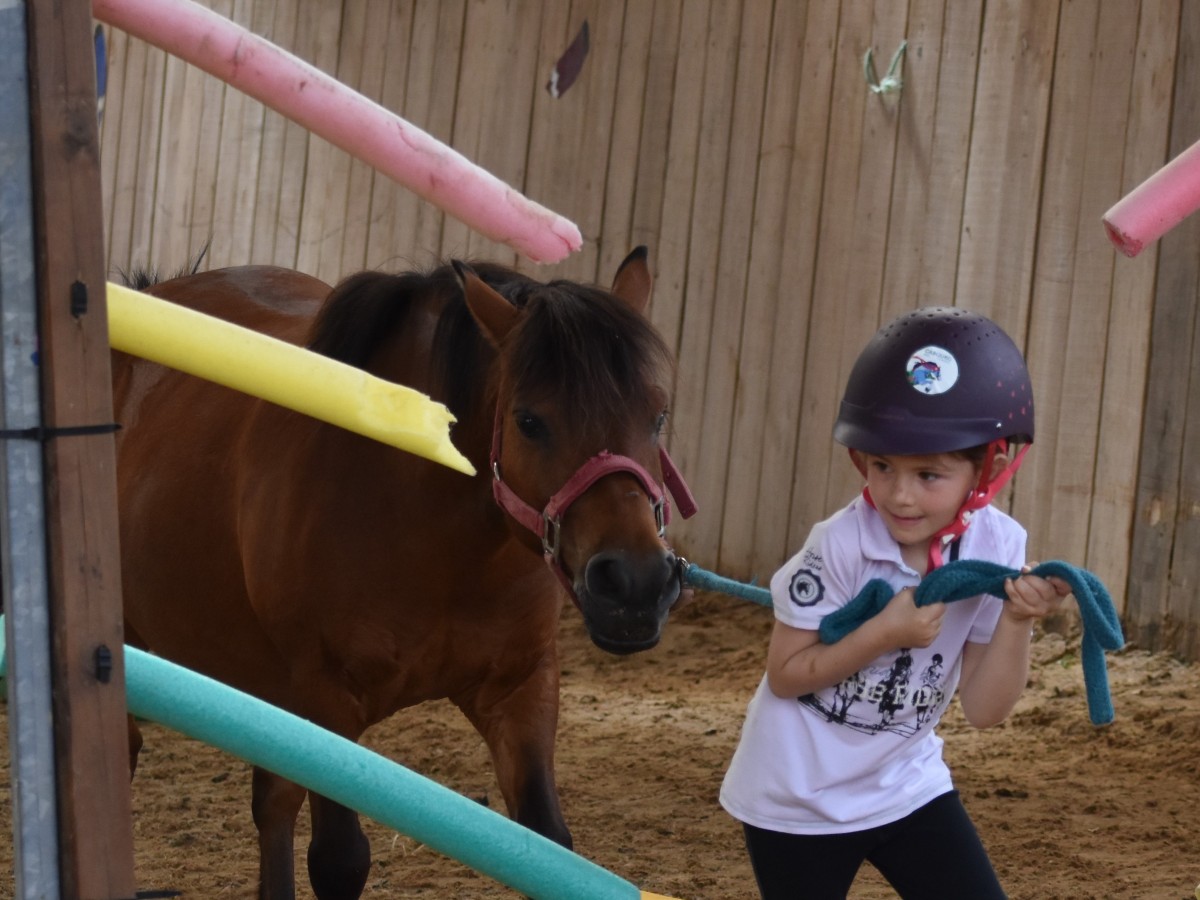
(789, 211)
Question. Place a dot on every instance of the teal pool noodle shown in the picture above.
(360, 779)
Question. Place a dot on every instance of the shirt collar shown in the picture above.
(876, 543)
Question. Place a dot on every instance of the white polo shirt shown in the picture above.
(862, 753)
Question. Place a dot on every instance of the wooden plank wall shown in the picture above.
(1165, 569)
(789, 212)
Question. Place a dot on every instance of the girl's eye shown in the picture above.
(531, 426)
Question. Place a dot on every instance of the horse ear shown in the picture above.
(633, 280)
(495, 315)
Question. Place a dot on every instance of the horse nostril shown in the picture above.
(607, 575)
(614, 576)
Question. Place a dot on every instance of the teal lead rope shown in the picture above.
(708, 581)
(957, 581)
(970, 577)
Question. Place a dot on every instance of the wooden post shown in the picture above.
(92, 763)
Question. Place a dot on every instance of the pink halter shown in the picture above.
(547, 524)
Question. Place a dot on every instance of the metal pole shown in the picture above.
(23, 547)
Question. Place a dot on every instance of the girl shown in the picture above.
(839, 762)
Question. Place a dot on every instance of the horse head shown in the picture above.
(582, 400)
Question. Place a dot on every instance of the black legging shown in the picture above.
(931, 854)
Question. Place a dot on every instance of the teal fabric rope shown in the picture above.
(971, 577)
(708, 581)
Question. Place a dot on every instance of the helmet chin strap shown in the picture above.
(979, 497)
(983, 494)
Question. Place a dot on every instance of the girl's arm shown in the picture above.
(798, 663)
(994, 674)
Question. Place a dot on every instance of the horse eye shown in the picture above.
(661, 423)
(530, 426)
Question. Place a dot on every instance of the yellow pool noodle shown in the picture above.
(282, 373)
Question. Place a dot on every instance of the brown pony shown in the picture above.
(342, 579)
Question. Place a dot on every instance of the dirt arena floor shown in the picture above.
(1067, 810)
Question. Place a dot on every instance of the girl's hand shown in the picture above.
(1033, 597)
(909, 625)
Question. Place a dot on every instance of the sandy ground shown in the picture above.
(1067, 810)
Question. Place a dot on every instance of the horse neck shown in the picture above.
(406, 358)
(472, 433)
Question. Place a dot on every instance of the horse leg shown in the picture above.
(339, 855)
(135, 743)
(133, 639)
(519, 724)
(275, 804)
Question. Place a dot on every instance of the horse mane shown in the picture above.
(574, 338)
(142, 277)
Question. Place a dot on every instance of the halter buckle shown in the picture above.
(551, 532)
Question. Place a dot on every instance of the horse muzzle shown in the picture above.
(625, 601)
(624, 597)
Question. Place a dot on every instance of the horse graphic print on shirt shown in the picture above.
(882, 699)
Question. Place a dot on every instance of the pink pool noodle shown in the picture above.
(1156, 205)
(347, 119)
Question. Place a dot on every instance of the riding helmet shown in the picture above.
(936, 380)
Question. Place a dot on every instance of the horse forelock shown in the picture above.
(589, 350)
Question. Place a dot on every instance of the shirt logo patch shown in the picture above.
(806, 588)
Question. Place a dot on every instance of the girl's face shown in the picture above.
(918, 496)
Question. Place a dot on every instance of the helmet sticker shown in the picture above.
(932, 370)
(806, 588)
